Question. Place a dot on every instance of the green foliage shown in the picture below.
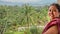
(34, 30)
(11, 17)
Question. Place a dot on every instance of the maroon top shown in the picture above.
(55, 21)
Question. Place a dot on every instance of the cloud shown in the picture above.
(9, 0)
(24, 1)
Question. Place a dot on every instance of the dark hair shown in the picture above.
(57, 6)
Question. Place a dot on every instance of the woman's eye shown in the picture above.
(54, 10)
(49, 10)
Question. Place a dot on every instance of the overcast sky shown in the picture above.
(26, 1)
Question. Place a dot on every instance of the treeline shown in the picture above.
(12, 17)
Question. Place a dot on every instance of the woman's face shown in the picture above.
(53, 12)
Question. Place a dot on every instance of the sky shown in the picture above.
(27, 1)
(24, 1)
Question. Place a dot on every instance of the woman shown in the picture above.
(53, 27)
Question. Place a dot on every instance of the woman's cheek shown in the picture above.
(49, 13)
(55, 14)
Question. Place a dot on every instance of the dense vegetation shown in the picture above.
(12, 17)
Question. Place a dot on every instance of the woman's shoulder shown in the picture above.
(55, 21)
